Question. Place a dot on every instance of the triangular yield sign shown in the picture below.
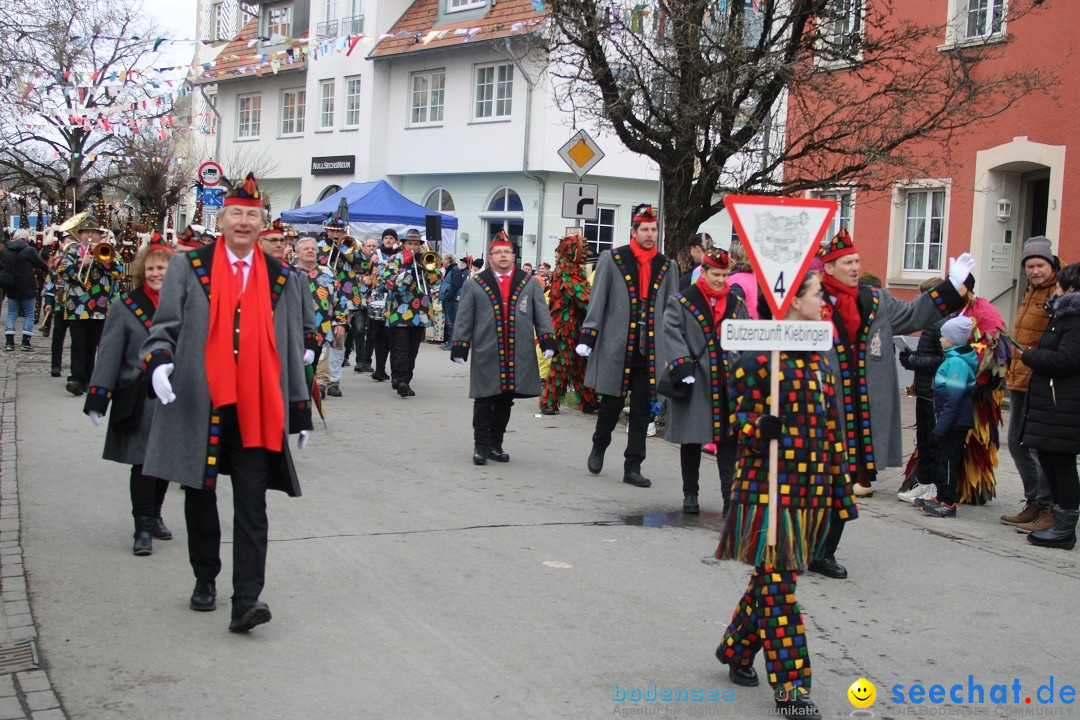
(781, 236)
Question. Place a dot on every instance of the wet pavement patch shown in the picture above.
(703, 521)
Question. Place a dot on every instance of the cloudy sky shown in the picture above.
(176, 18)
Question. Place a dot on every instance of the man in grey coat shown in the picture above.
(622, 337)
(498, 312)
(226, 357)
(865, 319)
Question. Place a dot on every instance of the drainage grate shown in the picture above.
(18, 656)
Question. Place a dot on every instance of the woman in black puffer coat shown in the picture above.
(1052, 422)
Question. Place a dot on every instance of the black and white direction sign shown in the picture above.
(579, 201)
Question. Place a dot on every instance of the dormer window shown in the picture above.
(459, 5)
(278, 20)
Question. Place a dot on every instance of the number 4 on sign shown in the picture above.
(781, 236)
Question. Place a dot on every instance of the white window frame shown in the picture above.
(956, 27)
(493, 97)
(353, 88)
(854, 21)
(439, 194)
(427, 102)
(330, 10)
(254, 116)
(275, 26)
(294, 119)
(586, 226)
(453, 6)
(898, 230)
(845, 211)
(327, 103)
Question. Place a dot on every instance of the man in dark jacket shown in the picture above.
(453, 279)
(20, 285)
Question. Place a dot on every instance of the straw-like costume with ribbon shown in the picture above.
(568, 299)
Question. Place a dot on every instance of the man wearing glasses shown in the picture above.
(622, 338)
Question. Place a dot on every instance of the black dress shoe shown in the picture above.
(596, 460)
(412, 393)
(247, 613)
(333, 391)
(56, 372)
(479, 456)
(690, 505)
(828, 567)
(395, 384)
(549, 411)
(799, 707)
(379, 376)
(496, 453)
(403, 390)
(744, 675)
(345, 363)
(159, 531)
(636, 479)
(204, 599)
(74, 387)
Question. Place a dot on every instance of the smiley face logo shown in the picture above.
(862, 693)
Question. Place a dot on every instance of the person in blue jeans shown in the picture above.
(20, 260)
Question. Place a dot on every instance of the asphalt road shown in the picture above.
(408, 583)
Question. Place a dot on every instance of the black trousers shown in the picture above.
(250, 472)
(376, 344)
(949, 463)
(85, 338)
(359, 336)
(1060, 469)
(449, 308)
(924, 425)
(607, 416)
(490, 417)
(59, 332)
(404, 346)
(147, 493)
(350, 339)
(690, 462)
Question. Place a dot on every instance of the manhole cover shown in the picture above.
(18, 656)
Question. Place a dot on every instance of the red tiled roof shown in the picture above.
(506, 18)
(241, 59)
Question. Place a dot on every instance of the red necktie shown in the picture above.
(504, 286)
(240, 265)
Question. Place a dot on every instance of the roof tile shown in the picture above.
(418, 24)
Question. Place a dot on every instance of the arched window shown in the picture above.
(505, 200)
(505, 212)
(440, 200)
(330, 190)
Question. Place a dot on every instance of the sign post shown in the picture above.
(781, 236)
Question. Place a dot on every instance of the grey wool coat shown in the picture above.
(689, 335)
(503, 353)
(119, 364)
(182, 446)
(874, 441)
(614, 302)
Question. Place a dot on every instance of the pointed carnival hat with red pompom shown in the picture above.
(838, 247)
(246, 194)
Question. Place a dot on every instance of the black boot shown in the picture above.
(1062, 534)
(10, 345)
(26, 342)
(143, 543)
(159, 530)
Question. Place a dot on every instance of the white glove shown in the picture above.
(548, 354)
(301, 442)
(162, 386)
(583, 350)
(960, 268)
(689, 379)
(309, 357)
(459, 361)
(95, 417)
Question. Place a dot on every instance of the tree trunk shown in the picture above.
(681, 218)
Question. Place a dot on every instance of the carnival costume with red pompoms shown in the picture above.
(568, 299)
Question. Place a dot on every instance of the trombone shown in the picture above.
(428, 261)
(103, 253)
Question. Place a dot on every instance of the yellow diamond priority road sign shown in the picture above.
(581, 153)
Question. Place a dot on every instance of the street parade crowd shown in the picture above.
(205, 355)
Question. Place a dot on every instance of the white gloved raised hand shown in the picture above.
(95, 417)
(459, 360)
(162, 386)
(309, 357)
(960, 268)
(301, 442)
(689, 379)
(548, 354)
(583, 350)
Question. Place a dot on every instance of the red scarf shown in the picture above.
(151, 295)
(847, 306)
(717, 298)
(644, 262)
(256, 392)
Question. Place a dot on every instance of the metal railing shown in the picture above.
(327, 29)
(352, 25)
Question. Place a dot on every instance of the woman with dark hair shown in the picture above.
(1052, 422)
(814, 493)
(698, 364)
(118, 379)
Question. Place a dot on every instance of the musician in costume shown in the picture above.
(338, 252)
(364, 281)
(119, 384)
(92, 279)
(226, 359)
(568, 299)
(408, 310)
(377, 343)
(52, 304)
(865, 319)
(621, 336)
(497, 315)
(813, 492)
(695, 359)
(322, 286)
